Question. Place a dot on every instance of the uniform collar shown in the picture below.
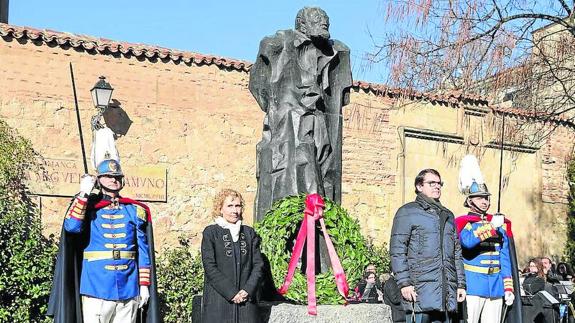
(481, 216)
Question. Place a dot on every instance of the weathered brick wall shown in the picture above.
(369, 163)
(200, 122)
(557, 151)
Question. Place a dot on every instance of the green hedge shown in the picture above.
(180, 276)
(281, 224)
(26, 257)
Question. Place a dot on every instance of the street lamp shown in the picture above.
(101, 93)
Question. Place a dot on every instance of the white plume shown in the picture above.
(104, 146)
(469, 171)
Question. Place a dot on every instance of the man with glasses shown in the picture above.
(426, 254)
(105, 269)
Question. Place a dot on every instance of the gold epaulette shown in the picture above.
(484, 232)
(141, 212)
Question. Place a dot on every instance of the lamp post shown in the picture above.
(101, 95)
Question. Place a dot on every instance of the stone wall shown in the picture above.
(196, 118)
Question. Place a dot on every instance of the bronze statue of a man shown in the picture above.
(301, 79)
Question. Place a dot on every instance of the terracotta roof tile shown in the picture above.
(103, 45)
(454, 96)
(106, 45)
(526, 114)
(458, 97)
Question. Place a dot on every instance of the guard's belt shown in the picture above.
(482, 270)
(110, 254)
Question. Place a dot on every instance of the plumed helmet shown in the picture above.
(477, 189)
(471, 183)
(109, 167)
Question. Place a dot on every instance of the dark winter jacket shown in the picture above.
(392, 297)
(228, 268)
(425, 253)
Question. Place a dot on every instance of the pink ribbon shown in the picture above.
(314, 206)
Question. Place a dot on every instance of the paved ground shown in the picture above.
(288, 313)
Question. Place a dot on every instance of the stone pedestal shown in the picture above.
(289, 313)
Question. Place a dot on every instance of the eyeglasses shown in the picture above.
(434, 184)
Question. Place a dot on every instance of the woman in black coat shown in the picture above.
(232, 264)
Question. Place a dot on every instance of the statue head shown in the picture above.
(313, 22)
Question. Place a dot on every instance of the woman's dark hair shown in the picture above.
(564, 269)
(539, 264)
(419, 178)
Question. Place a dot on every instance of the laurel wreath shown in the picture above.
(279, 229)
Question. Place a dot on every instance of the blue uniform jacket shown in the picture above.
(486, 256)
(116, 260)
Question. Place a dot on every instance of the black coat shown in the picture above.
(425, 253)
(224, 278)
(392, 297)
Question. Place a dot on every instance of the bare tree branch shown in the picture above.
(524, 50)
(565, 7)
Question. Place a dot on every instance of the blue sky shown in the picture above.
(224, 28)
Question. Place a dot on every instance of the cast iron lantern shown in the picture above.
(101, 93)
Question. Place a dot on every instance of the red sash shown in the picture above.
(314, 206)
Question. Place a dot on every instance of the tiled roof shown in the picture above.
(526, 114)
(454, 96)
(102, 45)
(458, 97)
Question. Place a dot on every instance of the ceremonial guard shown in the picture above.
(105, 270)
(485, 247)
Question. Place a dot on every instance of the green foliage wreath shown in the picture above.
(282, 222)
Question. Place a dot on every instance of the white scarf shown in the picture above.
(233, 227)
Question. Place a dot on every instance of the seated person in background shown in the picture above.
(549, 269)
(361, 284)
(564, 271)
(537, 307)
(534, 277)
(370, 292)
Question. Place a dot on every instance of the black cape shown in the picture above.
(65, 301)
(514, 314)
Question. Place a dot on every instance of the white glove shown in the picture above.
(145, 296)
(497, 220)
(87, 184)
(509, 298)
